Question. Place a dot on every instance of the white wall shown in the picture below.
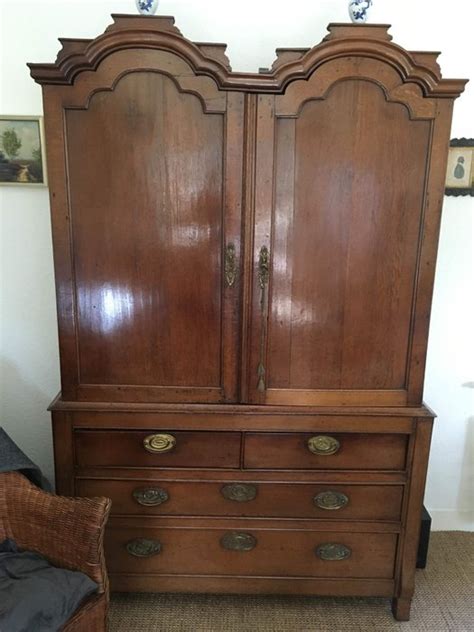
(253, 29)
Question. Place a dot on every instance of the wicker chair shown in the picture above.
(69, 532)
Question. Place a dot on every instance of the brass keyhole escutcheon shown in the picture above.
(159, 443)
(331, 500)
(230, 265)
(323, 445)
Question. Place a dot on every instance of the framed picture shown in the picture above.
(22, 154)
(460, 173)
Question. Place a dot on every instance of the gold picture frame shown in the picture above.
(22, 151)
(460, 171)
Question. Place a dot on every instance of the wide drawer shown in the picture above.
(228, 498)
(156, 449)
(353, 451)
(252, 552)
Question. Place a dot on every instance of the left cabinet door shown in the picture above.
(148, 271)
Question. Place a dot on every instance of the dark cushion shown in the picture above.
(36, 596)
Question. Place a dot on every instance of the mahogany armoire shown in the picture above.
(244, 269)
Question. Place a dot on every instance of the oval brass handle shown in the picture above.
(323, 445)
(143, 547)
(330, 500)
(150, 496)
(240, 492)
(332, 552)
(237, 541)
(159, 443)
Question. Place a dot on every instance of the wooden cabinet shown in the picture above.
(340, 211)
(244, 268)
(155, 216)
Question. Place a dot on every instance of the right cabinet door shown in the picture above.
(339, 200)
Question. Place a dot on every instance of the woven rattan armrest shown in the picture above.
(67, 531)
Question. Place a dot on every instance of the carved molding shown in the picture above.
(126, 32)
(364, 31)
(112, 70)
(159, 33)
(319, 85)
(285, 55)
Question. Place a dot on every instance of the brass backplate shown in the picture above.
(143, 547)
(237, 541)
(159, 443)
(333, 552)
(150, 496)
(331, 500)
(323, 445)
(240, 492)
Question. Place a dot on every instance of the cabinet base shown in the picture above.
(121, 582)
(401, 608)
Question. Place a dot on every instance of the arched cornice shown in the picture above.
(206, 107)
(124, 62)
(132, 32)
(320, 84)
(137, 32)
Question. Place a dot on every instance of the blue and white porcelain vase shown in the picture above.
(358, 10)
(147, 7)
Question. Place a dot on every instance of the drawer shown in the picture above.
(352, 451)
(227, 498)
(164, 449)
(250, 552)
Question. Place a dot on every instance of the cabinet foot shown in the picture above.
(401, 608)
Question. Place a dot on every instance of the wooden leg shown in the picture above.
(401, 608)
(405, 584)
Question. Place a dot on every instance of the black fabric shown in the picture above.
(36, 596)
(12, 458)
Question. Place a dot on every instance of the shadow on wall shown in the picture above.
(26, 419)
(465, 499)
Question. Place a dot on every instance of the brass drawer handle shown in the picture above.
(240, 492)
(159, 443)
(142, 547)
(150, 496)
(323, 445)
(332, 552)
(331, 500)
(236, 541)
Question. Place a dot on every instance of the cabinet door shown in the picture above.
(339, 204)
(154, 174)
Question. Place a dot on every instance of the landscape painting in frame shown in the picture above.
(22, 156)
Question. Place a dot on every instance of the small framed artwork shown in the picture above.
(22, 153)
(460, 173)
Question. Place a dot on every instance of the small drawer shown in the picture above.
(160, 448)
(250, 552)
(352, 451)
(253, 499)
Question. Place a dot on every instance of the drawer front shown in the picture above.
(257, 552)
(227, 498)
(160, 448)
(353, 451)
